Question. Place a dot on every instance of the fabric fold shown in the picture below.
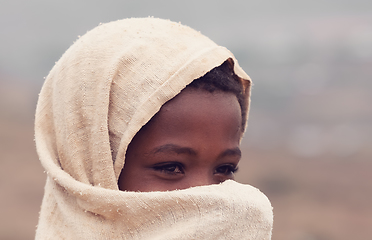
(105, 87)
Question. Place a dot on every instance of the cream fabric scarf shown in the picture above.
(106, 86)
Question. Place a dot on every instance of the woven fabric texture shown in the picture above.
(104, 88)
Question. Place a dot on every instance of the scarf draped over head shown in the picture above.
(105, 87)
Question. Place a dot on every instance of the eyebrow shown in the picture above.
(186, 150)
(175, 149)
(231, 152)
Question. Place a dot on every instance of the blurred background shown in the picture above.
(309, 142)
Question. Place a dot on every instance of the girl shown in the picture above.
(138, 127)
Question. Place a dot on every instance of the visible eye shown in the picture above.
(226, 169)
(171, 168)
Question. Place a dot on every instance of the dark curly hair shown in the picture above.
(222, 78)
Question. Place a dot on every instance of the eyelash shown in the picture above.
(174, 168)
(226, 169)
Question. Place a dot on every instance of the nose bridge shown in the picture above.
(200, 178)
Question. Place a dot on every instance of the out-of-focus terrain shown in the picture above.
(308, 146)
(21, 175)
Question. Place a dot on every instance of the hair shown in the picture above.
(222, 78)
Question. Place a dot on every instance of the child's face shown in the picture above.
(192, 141)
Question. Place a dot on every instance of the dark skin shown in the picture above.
(192, 141)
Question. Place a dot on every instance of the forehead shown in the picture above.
(198, 111)
(199, 100)
(197, 129)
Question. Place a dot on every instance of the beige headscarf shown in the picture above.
(106, 86)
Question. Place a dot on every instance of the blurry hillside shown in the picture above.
(309, 138)
(21, 176)
(308, 144)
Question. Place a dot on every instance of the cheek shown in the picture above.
(130, 176)
(136, 178)
(144, 180)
